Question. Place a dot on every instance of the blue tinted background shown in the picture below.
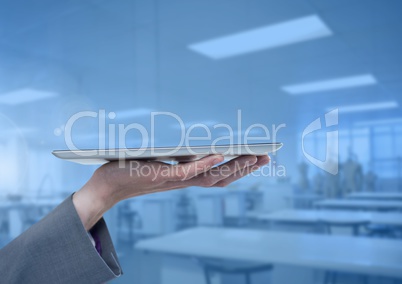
(133, 57)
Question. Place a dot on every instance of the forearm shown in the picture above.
(89, 212)
(91, 202)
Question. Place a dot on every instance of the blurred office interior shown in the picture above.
(328, 209)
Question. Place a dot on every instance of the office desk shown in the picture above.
(336, 253)
(359, 204)
(13, 211)
(376, 195)
(302, 200)
(41, 203)
(338, 216)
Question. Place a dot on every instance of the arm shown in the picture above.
(57, 249)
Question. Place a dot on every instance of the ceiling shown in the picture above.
(125, 54)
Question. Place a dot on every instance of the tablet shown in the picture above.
(167, 154)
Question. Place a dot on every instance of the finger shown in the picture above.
(221, 172)
(198, 181)
(186, 171)
(261, 161)
(225, 170)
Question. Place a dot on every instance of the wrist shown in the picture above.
(91, 203)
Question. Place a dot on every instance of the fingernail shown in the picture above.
(266, 160)
(254, 161)
(254, 168)
(218, 160)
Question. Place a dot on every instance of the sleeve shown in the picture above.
(58, 249)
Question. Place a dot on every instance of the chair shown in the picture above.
(131, 218)
(211, 266)
(3, 228)
(32, 214)
(326, 225)
(381, 231)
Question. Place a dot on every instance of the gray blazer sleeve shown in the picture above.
(58, 249)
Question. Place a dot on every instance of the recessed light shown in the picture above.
(276, 35)
(379, 122)
(136, 112)
(26, 95)
(331, 84)
(366, 107)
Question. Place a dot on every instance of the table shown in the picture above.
(344, 217)
(13, 210)
(302, 200)
(376, 195)
(359, 204)
(381, 257)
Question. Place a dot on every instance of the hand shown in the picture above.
(111, 183)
